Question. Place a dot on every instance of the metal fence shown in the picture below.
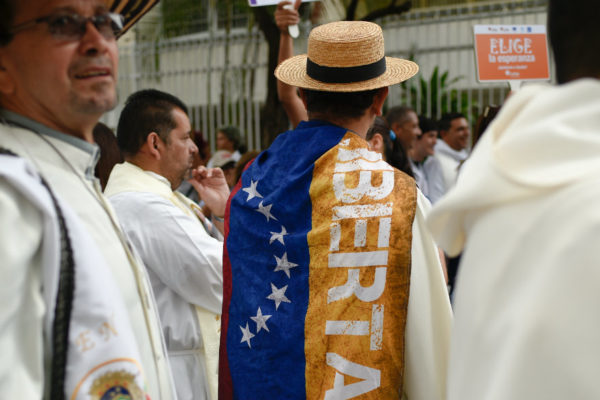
(223, 77)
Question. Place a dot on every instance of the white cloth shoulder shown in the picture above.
(102, 352)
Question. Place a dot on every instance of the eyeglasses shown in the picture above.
(73, 26)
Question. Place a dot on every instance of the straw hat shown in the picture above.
(345, 56)
(131, 10)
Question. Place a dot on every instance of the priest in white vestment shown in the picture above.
(180, 248)
(525, 211)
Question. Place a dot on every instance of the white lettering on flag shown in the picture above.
(363, 259)
(362, 211)
(353, 154)
(354, 328)
(364, 187)
(335, 233)
(358, 165)
(361, 328)
(385, 226)
(353, 287)
(371, 378)
(360, 233)
(377, 327)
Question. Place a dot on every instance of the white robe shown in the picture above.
(429, 317)
(184, 264)
(525, 210)
(101, 342)
(67, 163)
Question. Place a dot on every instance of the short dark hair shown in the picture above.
(109, 152)
(446, 120)
(146, 111)
(574, 34)
(339, 104)
(426, 125)
(397, 114)
(8, 10)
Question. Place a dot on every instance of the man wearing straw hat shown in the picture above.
(332, 287)
(77, 315)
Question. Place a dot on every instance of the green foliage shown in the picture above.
(182, 17)
(435, 96)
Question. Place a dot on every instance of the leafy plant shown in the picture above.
(436, 96)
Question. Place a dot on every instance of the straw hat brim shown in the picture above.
(293, 72)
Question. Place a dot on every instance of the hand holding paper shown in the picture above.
(287, 17)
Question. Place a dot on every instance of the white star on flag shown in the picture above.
(278, 236)
(246, 335)
(278, 296)
(251, 190)
(284, 265)
(261, 320)
(266, 211)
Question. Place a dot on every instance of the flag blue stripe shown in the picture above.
(274, 365)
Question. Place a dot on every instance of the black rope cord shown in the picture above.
(64, 302)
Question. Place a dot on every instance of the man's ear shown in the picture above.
(302, 94)
(377, 143)
(379, 99)
(154, 145)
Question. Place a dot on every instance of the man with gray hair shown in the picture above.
(74, 295)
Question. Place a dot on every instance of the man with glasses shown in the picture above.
(58, 71)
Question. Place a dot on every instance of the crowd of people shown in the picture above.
(139, 265)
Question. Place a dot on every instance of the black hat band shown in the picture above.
(345, 74)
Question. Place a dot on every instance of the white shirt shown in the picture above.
(184, 264)
(430, 178)
(449, 160)
(525, 210)
(67, 164)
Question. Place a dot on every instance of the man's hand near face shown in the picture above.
(212, 187)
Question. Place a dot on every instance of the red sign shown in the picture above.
(511, 52)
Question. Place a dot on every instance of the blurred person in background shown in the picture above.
(451, 151)
(110, 155)
(427, 169)
(230, 139)
(384, 141)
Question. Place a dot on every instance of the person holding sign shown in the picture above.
(287, 15)
(525, 210)
(332, 285)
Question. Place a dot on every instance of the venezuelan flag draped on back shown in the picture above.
(316, 271)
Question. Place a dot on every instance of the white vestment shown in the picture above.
(67, 164)
(185, 267)
(429, 317)
(525, 211)
(449, 160)
(102, 353)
